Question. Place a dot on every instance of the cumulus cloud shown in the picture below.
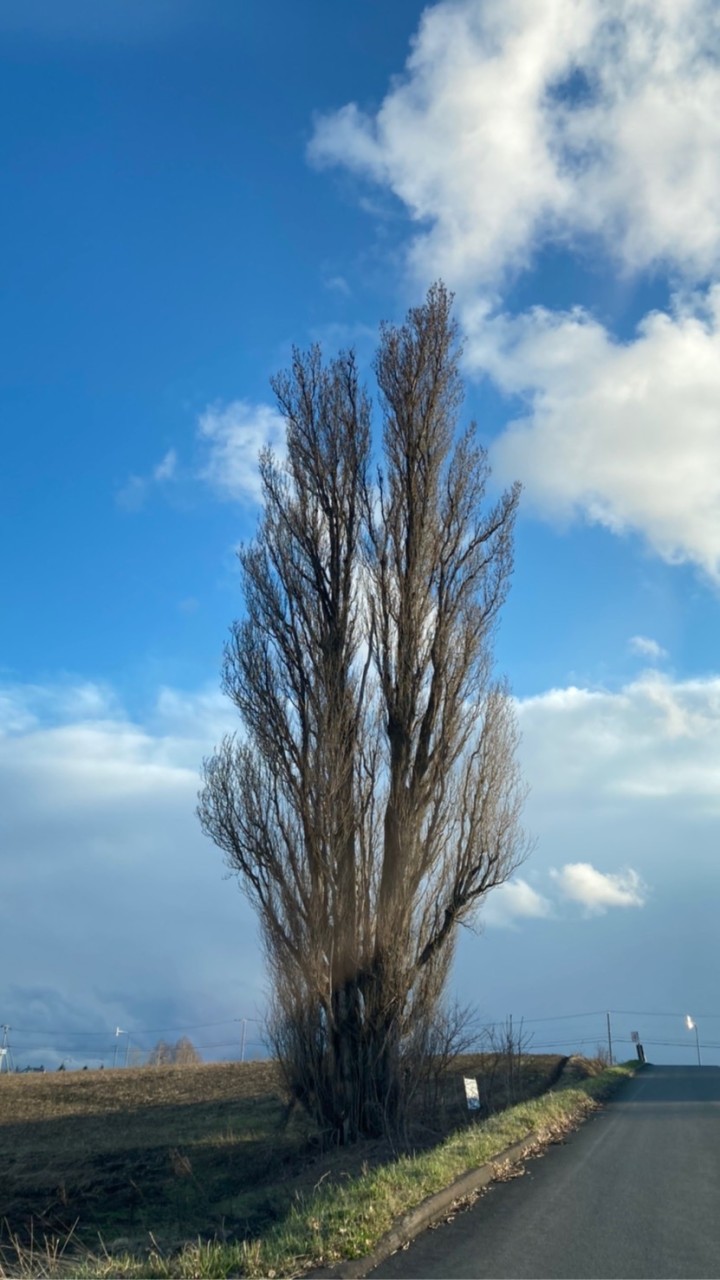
(234, 435)
(515, 900)
(516, 124)
(647, 648)
(624, 434)
(597, 890)
(586, 125)
(578, 882)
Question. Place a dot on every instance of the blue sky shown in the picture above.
(188, 190)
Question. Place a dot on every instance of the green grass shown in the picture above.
(346, 1222)
(339, 1209)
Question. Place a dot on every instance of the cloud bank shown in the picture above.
(136, 926)
(655, 739)
(115, 909)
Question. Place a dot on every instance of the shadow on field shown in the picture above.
(126, 1153)
(161, 1168)
(183, 1152)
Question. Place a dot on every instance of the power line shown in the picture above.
(224, 1022)
(232, 1044)
(584, 1039)
(202, 1026)
(646, 1013)
(561, 1017)
(137, 1031)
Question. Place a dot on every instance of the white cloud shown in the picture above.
(586, 124)
(338, 284)
(25, 706)
(135, 491)
(167, 467)
(655, 738)
(625, 434)
(516, 124)
(597, 890)
(235, 434)
(231, 437)
(647, 648)
(512, 901)
(133, 910)
(110, 890)
(578, 882)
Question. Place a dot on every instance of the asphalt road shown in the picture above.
(634, 1192)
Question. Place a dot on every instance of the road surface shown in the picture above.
(634, 1192)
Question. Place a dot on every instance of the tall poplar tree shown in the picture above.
(372, 796)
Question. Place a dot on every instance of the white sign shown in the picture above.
(471, 1093)
(634, 1036)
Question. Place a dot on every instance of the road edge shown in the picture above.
(435, 1207)
(430, 1210)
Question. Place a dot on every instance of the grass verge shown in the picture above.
(338, 1222)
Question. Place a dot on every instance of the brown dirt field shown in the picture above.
(34, 1096)
(126, 1152)
(207, 1150)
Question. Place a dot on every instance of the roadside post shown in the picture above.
(635, 1037)
(472, 1097)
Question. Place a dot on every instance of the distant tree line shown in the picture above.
(182, 1054)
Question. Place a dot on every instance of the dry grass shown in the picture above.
(157, 1157)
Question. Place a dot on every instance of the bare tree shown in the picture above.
(162, 1055)
(502, 1069)
(372, 798)
(184, 1053)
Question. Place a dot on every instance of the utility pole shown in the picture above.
(242, 1039)
(118, 1032)
(610, 1052)
(6, 1058)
